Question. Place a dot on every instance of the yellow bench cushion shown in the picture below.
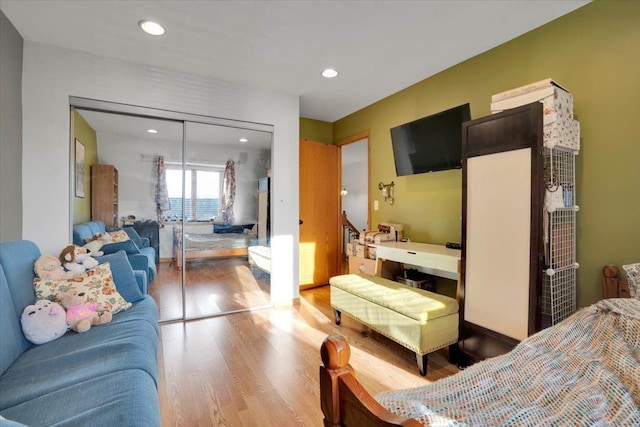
(415, 303)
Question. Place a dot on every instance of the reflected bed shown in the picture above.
(209, 245)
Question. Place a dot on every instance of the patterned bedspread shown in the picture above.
(584, 371)
(201, 242)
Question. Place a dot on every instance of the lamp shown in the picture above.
(344, 191)
(387, 191)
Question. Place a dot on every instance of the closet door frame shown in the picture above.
(515, 129)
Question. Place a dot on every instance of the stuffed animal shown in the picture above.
(48, 267)
(77, 259)
(81, 315)
(43, 321)
(97, 241)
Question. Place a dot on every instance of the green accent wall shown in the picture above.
(593, 52)
(316, 130)
(85, 134)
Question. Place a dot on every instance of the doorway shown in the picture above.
(200, 271)
(355, 182)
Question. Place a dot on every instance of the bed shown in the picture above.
(211, 245)
(260, 258)
(582, 371)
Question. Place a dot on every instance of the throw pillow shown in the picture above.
(123, 275)
(97, 283)
(633, 277)
(119, 236)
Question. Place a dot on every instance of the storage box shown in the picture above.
(426, 284)
(396, 230)
(376, 237)
(390, 269)
(555, 100)
(565, 134)
(355, 249)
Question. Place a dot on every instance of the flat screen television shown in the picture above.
(430, 144)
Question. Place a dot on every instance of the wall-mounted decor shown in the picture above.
(80, 172)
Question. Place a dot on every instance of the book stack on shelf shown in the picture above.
(560, 128)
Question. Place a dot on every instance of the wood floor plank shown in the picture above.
(260, 368)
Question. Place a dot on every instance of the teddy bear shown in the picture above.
(97, 241)
(77, 259)
(43, 321)
(48, 267)
(80, 314)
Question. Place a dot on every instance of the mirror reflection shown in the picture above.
(196, 210)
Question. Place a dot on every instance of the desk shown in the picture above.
(437, 260)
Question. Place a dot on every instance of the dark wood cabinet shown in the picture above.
(502, 249)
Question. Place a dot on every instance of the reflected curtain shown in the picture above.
(228, 192)
(163, 204)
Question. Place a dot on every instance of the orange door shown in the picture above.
(319, 212)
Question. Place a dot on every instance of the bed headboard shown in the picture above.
(612, 286)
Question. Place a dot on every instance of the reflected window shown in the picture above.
(203, 187)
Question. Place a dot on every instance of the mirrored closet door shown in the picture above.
(190, 191)
(224, 243)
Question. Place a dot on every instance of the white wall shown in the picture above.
(52, 74)
(355, 178)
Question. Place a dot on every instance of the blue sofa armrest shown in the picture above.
(139, 262)
(141, 278)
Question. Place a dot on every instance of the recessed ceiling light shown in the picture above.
(151, 27)
(329, 73)
(243, 140)
(152, 131)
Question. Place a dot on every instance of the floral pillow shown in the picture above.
(118, 236)
(97, 283)
(633, 277)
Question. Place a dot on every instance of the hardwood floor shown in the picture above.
(212, 286)
(260, 368)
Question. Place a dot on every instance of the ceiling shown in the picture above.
(168, 130)
(378, 47)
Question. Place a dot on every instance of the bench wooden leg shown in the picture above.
(338, 316)
(453, 354)
(422, 363)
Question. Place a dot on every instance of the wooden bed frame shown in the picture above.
(205, 253)
(612, 286)
(346, 403)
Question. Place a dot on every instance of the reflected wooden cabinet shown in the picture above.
(264, 216)
(104, 194)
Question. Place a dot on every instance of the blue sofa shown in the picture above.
(106, 376)
(141, 256)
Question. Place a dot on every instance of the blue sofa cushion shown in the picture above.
(129, 246)
(123, 276)
(133, 235)
(128, 403)
(12, 340)
(127, 343)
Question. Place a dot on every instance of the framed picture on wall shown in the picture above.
(80, 169)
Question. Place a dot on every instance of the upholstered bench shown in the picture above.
(419, 320)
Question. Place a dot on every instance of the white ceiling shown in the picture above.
(379, 47)
(136, 127)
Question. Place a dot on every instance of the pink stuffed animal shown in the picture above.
(81, 315)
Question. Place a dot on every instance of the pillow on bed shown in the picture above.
(633, 277)
(233, 228)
